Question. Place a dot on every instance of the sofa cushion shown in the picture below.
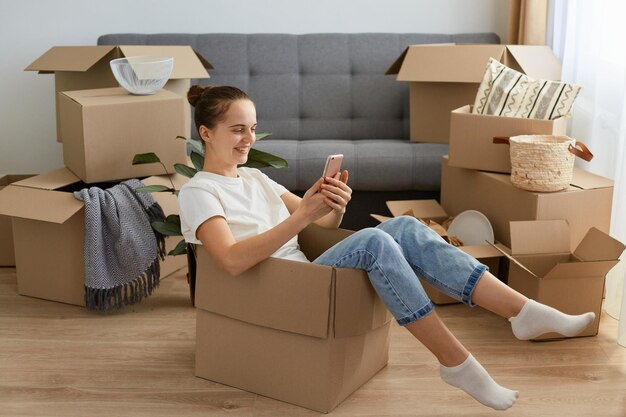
(374, 165)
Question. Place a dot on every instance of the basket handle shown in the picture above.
(582, 153)
(501, 139)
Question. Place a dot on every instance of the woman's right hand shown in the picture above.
(313, 207)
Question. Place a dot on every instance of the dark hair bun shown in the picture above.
(196, 92)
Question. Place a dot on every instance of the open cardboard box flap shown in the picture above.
(187, 62)
(536, 61)
(10, 179)
(552, 237)
(597, 252)
(70, 58)
(52, 180)
(37, 204)
(598, 246)
(541, 236)
(34, 198)
(429, 209)
(572, 270)
(397, 64)
(440, 62)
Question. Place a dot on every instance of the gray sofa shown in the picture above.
(327, 93)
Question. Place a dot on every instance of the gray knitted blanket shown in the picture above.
(121, 249)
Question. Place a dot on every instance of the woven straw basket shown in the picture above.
(543, 162)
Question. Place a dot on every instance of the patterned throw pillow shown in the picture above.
(506, 92)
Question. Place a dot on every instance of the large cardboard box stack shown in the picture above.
(476, 176)
(431, 210)
(545, 268)
(298, 332)
(561, 250)
(101, 127)
(49, 227)
(444, 77)
(443, 83)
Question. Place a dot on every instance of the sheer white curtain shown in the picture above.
(588, 36)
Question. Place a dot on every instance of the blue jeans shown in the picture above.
(394, 252)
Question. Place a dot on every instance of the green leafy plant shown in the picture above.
(171, 225)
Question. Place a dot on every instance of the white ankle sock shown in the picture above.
(535, 319)
(472, 378)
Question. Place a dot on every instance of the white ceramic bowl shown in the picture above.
(142, 75)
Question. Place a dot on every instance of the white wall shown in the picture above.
(29, 27)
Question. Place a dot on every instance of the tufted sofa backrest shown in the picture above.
(314, 86)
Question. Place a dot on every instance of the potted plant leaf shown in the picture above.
(171, 225)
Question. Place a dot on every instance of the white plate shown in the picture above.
(472, 227)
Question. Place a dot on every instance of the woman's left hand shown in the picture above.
(337, 192)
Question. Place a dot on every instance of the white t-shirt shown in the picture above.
(250, 204)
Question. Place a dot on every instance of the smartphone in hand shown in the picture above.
(333, 165)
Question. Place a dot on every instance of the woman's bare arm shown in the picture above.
(236, 257)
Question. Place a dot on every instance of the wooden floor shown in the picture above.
(60, 360)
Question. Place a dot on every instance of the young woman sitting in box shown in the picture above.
(241, 217)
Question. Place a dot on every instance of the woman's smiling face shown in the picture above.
(229, 142)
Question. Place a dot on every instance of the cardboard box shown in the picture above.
(87, 67)
(544, 269)
(106, 127)
(471, 138)
(585, 204)
(431, 210)
(49, 227)
(7, 253)
(298, 332)
(443, 77)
